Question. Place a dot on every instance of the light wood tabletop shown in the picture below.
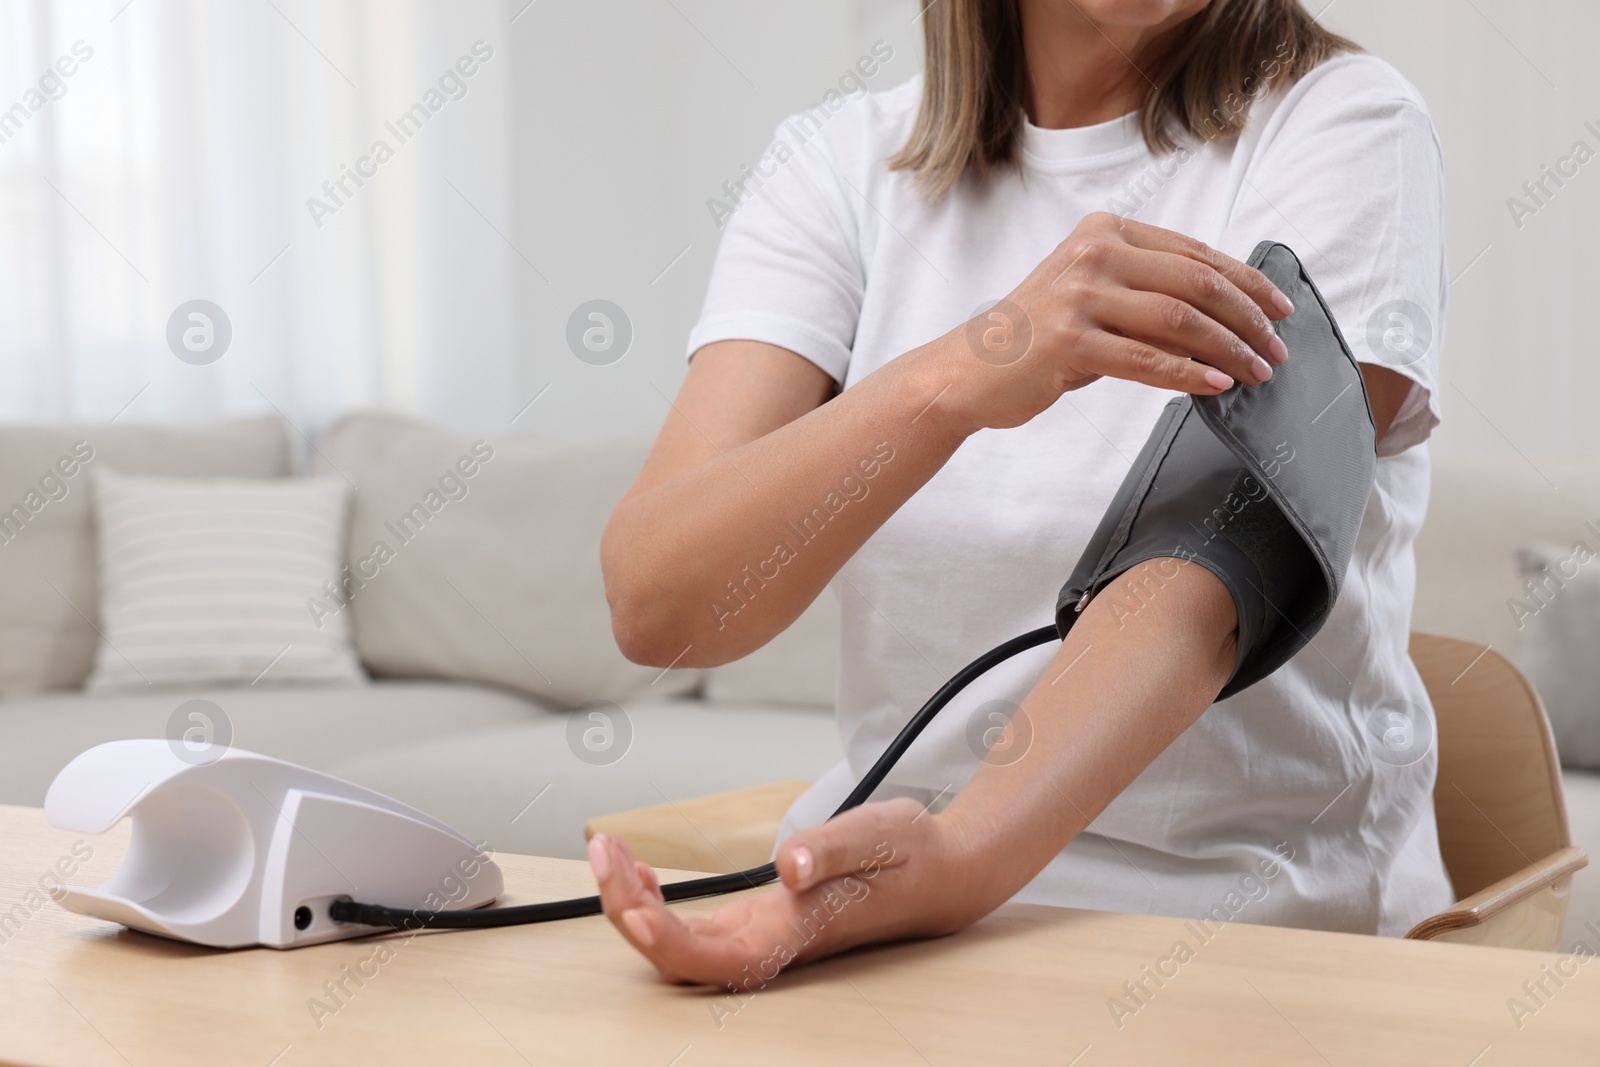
(1029, 985)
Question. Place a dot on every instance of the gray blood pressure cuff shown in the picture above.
(1263, 485)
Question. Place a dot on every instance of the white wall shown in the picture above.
(1511, 84)
(628, 117)
(612, 181)
(586, 153)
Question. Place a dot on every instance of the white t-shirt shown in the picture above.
(1305, 800)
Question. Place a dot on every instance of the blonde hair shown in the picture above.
(975, 77)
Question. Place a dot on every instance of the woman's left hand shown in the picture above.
(879, 872)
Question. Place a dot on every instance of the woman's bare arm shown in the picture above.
(710, 553)
(1123, 685)
(751, 450)
(1118, 691)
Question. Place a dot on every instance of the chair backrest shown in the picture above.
(1498, 796)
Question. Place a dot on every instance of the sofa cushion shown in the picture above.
(310, 725)
(1480, 512)
(47, 557)
(217, 581)
(479, 560)
(529, 787)
(799, 666)
(1560, 619)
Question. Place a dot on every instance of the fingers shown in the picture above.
(1177, 327)
(1125, 357)
(647, 875)
(884, 853)
(1209, 291)
(1177, 297)
(701, 950)
(630, 896)
(855, 842)
(1244, 278)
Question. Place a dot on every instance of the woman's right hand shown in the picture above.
(1121, 299)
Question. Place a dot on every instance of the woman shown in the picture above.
(1103, 166)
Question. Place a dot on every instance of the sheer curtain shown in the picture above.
(158, 152)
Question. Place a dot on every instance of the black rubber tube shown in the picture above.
(349, 911)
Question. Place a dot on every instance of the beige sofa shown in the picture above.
(487, 634)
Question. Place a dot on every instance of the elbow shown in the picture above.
(658, 619)
(638, 623)
(642, 638)
(653, 628)
(649, 623)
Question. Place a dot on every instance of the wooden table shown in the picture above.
(1027, 985)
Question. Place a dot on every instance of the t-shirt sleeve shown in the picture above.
(788, 271)
(1349, 175)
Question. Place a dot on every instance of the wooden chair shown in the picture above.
(1502, 817)
(1498, 799)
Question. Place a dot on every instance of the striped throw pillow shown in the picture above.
(206, 582)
